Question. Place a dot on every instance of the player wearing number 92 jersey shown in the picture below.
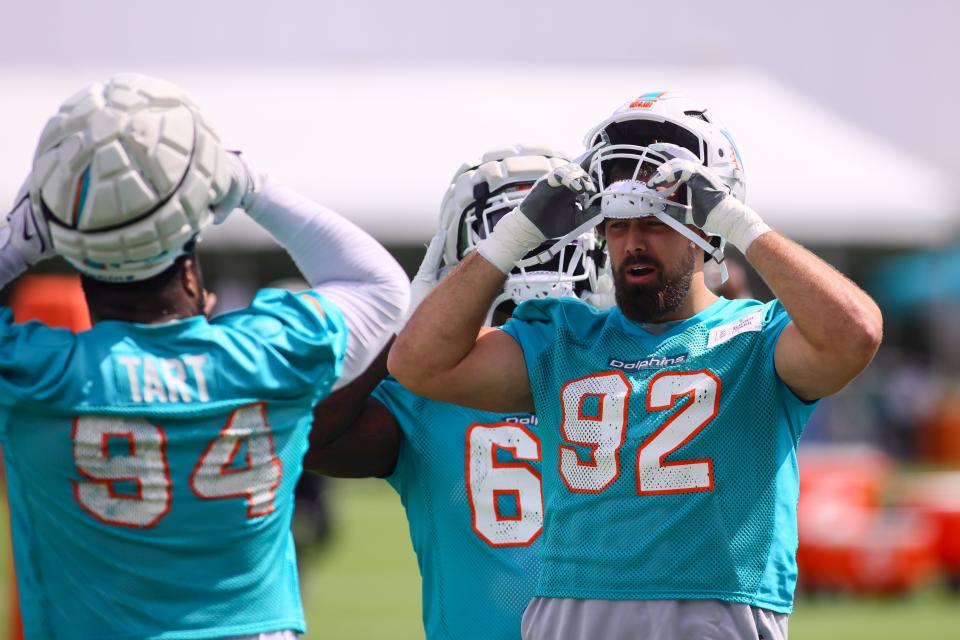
(151, 460)
(668, 424)
(469, 480)
(656, 439)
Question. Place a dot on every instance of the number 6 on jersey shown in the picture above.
(489, 480)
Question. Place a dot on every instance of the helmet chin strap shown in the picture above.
(724, 273)
(548, 253)
(715, 253)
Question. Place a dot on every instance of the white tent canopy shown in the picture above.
(380, 143)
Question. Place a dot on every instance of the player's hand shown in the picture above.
(556, 202)
(27, 229)
(555, 206)
(244, 186)
(713, 209)
(683, 166)
(428, 275)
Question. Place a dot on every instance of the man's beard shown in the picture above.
(652, 301)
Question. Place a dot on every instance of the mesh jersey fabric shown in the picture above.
(151, 468)
(470, 484)
(675, 452)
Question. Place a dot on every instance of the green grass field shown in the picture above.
(364, 585)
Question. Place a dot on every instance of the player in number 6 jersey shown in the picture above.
(469, 480)
(668, 424)
(151, 460)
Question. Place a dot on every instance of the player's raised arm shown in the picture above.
(127, 175)
(443, 352)
(353, 435)
(836, 328)
(368, 449)
(338, 259)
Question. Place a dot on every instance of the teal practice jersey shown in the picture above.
(151, 468)
(669, 460)
(470, 484)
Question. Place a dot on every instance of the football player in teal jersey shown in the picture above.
(469, 480)
(151, 460)
(669, 423)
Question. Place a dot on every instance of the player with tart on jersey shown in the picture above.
(469, 480)
(669, 423)
(151, 460)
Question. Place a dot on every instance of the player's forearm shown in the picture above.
(327, 247)
(444, 328)
(341, 409)
(368, 448)
(831, 313)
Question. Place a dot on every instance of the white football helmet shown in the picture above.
(125, 174)
(666, 116)
(485, 190)
(624, 160)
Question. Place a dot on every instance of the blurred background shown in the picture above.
(843, 113)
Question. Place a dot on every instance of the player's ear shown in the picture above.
(190, 278)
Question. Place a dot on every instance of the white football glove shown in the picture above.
(245, 184)
(27, 229)
(555, 206)
(428, 275)
(714, 209)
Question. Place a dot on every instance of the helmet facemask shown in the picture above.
(621, 172)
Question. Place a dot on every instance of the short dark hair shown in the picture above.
(101, 291)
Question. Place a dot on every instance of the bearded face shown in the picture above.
(647, 289)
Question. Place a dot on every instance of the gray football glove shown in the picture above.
(713, 208)
(706, 189)
(555, 204)
(554, 207)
